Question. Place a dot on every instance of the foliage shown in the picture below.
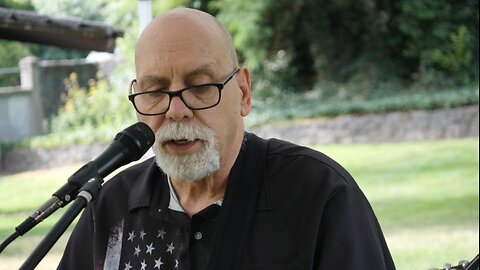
(431, 43)
(456, 56)
(308, 58)
(89, 115)
(10, 53)
(441, 36)
(17, 4)
(350, 41)
(96, 115)
(92, 115)
(287, 106)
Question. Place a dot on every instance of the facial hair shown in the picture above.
(191, 167)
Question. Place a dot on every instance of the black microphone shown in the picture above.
(129, 145)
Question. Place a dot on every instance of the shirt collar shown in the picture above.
(174, 203)
(152, 189)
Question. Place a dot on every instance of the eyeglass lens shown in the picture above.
(197, 97)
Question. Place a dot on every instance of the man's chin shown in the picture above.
(188, 167)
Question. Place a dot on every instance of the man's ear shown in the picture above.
(246, 87)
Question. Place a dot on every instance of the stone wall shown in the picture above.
(24, 108)
(378, 128)
(20, 115)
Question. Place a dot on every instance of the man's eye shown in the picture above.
(155, 94)
(153, 88)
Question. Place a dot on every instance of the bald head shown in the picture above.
(184, 31)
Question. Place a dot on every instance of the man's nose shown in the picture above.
(178, 111)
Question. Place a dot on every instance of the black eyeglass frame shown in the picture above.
(178, 93)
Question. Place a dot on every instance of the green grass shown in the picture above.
(21, 194)
(425, 195)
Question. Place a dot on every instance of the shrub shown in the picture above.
(92, 115)
(310, 105)
(98, 106)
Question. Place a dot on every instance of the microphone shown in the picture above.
(128, 145)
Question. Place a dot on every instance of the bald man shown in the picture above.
(215, 196)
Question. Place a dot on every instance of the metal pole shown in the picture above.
(144, 13)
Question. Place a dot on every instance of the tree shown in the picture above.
(303, 42)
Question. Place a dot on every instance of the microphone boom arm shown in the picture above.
(130, 144)
(86, 194)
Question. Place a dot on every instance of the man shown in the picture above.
(214, 196)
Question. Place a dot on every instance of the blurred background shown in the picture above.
(388, 88)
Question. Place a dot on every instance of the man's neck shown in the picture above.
(195, 196)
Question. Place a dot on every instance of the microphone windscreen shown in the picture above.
(137, 138)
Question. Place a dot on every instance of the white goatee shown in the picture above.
(187, 167)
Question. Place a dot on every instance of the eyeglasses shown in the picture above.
(198, 97)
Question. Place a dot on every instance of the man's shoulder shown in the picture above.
(123, 182)
(288, 158)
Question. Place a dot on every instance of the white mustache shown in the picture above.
(182, 131)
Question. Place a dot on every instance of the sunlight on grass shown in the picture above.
(38, 184)
(425, 195)
(17, 205)
(433, 246)
(16, 254)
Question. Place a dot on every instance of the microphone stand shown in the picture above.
(85, 196)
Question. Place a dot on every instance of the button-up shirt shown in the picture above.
(310, 214)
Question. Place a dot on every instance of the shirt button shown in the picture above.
(197, 235)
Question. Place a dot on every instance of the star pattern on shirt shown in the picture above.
(150, 248)
(158, 263)
(161, 233)
(131, 236)
(147, 248)
(137, 251)
(142, 234)
(170, 248)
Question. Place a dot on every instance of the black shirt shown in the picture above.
(310, 215)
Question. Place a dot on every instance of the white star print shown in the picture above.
(142, 234)
(131, 236)
(158, 263)
(128, 266)
(137, 251)
(161, 233)
(150, 248)
(170, 248)
(144, 265)
(176, 263)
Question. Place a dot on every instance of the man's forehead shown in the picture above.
(207, 69)
(180, 33)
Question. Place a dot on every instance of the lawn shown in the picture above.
(425, 194)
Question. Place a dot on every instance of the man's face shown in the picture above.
(177, 54)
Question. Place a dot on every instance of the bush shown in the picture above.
(92, 115)
(98, 106)
(310, 105)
